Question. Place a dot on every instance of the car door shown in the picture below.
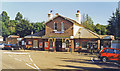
(117, 55)
(110, 54)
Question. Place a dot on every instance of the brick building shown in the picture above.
(64, 34)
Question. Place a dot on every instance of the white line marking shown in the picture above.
(37, 67)
(10, 55)
(34, 63)
(18, 59)
(15, 53)
(92, 59)
(29, 56)
(117, 64)
(31, 59)
(30, 66)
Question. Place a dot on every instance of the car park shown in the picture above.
(109, 54)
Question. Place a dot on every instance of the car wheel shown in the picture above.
(104, 59)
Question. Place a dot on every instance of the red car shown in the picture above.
(110, 54)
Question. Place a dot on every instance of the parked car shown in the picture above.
(109, 54)
(11, 47)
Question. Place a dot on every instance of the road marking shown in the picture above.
(117, 64)
(34, 63)
(92, 59)
(15, 53)
(10, 55)
(18, 59)
(37, 67)
(30, 66)
(31, 59)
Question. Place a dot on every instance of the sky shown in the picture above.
(100, 12)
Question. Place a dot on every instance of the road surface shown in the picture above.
(43, 60)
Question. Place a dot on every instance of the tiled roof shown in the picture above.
(13, 36)
(71, 20)
(85, 33)
(36, 35)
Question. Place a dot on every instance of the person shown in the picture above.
(101, 47)
(91, 49)
(79, 50)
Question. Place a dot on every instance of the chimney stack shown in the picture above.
(78, 17)
(50, 15)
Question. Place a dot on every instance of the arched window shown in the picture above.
(51, 43)
(62, 27)
(67, 43)
(55, 26)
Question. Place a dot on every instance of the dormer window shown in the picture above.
(55, 26)
(62, 26)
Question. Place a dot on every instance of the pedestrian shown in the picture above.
(101, 47)
(91, 49)
(79, 50)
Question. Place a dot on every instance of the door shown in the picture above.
(58, 45)
(35, 43)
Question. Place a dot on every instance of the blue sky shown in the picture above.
(100, 12)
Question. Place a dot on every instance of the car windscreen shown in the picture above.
(109, 51)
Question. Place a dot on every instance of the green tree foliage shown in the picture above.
(100, 29)
(19, 26)
(19, 16)
(38, 27)
(88, 22)
(24, 28)
(114, 24)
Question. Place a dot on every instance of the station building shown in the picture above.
(65, 34)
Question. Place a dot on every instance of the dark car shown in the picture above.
(110, 54)
(11, 47)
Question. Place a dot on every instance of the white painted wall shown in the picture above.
(115, 44)
(119, 5)
(1, 39)
(75, 29)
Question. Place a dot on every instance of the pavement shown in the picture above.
(30, 60)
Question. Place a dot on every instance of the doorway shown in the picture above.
(35, 43)
(58, 45)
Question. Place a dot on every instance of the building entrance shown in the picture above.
(58, 45)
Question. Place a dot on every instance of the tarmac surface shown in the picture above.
(30, 60)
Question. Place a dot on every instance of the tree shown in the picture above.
(100, 29)
(38, 27)
(88, 22)
(114, 24)
(24, 28)
(4, 17)
(18, 17)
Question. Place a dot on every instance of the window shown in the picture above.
(46, 44)
(117, 51)
(29, 42)
(109, 51)
(77, 44)
(84, 44)
(55, 26)
(62, 27)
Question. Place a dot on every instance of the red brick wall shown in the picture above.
(68, 27)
